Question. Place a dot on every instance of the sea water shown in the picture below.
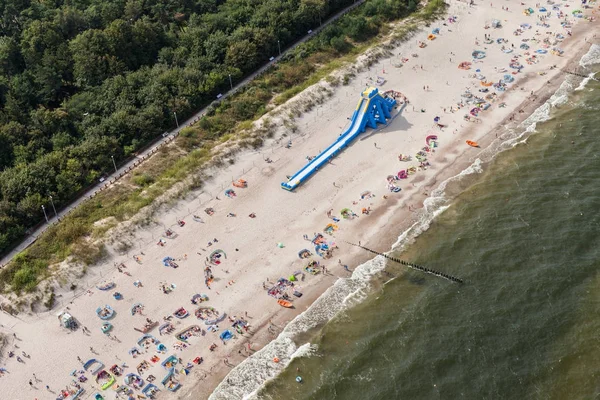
(522, 229)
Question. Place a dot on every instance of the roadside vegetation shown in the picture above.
(123, 130)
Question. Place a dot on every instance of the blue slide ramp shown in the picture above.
(371, 109)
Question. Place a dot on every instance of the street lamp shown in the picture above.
(230, 82)
(176, 121)
(114, 164)
(54, 208)
(279, 47)
(45, 215)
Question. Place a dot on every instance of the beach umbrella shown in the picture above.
(280, 245)
(331, 227)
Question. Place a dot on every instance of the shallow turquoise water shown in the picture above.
(525, 236)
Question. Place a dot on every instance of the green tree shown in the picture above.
(93, 61)
(242, 55)
(10, 57)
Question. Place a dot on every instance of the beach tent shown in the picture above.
(66, 320)
(226, 335)
(496, 24)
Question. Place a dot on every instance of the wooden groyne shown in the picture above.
(413, 266)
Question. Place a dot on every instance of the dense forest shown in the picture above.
(82, 81)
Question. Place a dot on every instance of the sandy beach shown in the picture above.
(259, 250)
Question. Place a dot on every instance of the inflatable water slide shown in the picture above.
(372, 109)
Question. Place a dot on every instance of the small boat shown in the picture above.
(284, 303)
(472, 143)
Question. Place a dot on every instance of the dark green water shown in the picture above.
(525, 236)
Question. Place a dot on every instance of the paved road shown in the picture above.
(127, 166)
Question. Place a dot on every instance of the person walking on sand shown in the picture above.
(346, 268)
